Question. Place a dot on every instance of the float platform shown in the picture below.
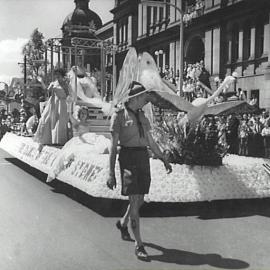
(239, 178)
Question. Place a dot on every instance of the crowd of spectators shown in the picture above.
(245, 134)
(22, 122)
(193, 11)
(193, 76)
(196, 84)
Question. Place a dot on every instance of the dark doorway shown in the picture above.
(195, 51)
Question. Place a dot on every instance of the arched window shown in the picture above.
(235, 42)
(259, 38)
(246, 41)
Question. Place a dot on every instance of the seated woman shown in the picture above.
(83, 144)
(80, 126)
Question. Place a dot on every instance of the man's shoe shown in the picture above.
(141, 253)
(124, 231)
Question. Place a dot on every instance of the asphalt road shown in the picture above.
(54, 226)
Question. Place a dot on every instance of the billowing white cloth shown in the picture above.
(87, 91)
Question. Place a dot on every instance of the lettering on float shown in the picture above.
(46, 156)
(85, 170)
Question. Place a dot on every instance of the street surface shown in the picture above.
(55, 227)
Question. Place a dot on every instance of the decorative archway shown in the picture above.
(195, 50)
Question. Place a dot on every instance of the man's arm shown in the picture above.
(111, 182)
(156, 150)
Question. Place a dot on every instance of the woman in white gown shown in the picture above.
(52, 128)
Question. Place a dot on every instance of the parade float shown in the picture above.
(197, 175)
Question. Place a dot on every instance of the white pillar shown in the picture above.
(208, 51)
(178, 4)
(152, 20)
(130, 30)
(216, 50)
(144, 20)
(172, 11)
(120, 34)
(252, 42)
(172, 55)
(229, 50)
(177, 55)
(163, 61)
(164, 16)
(266, 42)
(158, 15)
(140, 18)
(124, 33)
(240, 45)
(115, 33)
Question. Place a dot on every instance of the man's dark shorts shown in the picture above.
(135, 170)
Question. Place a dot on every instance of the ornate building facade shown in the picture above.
(227, 35)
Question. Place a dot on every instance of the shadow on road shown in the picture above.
(182, 257)
(115, 208)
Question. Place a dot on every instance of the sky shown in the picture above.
(18, 19)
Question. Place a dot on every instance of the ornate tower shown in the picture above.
(81, 23)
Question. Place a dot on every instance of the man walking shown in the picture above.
(131, 128)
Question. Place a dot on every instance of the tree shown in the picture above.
(34, 52)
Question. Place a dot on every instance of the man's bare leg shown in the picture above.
(135, 219)
(125, 218)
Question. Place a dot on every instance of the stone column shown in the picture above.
(216, 51)
(124, 33)
(266, 43)
(115, 41)
(172, 55)
(129, 30)
(144, 20)
(252, 42)
(172, 11)
(208, 51)
(177, 55)
(140, 18)
(178, 4)
(240, 44)
(120, 27)
(158, 18)
(229, 50)
(152, 20)
(164, 16)
(163, 60)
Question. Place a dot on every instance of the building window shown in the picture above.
(246, 41)
(235, 42)
(259, 39)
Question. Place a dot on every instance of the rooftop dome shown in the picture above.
(82, 16)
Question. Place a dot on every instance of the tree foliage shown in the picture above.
(34, 52)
